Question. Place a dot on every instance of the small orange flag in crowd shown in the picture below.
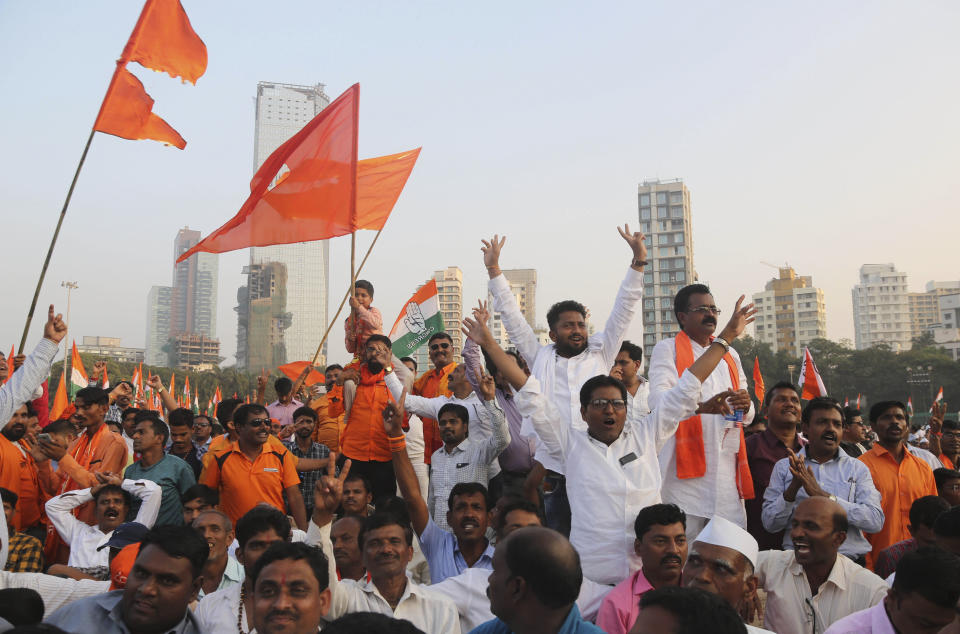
(293, 370)
(810, 380)
(162, 40)
(10, 369)
(758, 387)
(60, 400)
(325, 191)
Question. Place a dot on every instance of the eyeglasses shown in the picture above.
(201, 424)
(951, 487)
(437, 346)
(601, 403)
(704, 310)
(259, 422)
(951, 435)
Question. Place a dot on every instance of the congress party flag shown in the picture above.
(419, 319)
(810, 379)
(938, 399)
(910, 405)
(78, 376)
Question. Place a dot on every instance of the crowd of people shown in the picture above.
(544, 488)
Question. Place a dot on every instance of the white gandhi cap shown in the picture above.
(721, 532)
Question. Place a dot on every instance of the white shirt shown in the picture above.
(470, 461)
(220, 608)
(83, 539)
(609, 484)
(561, 377)
(716, 492)
(56, 592)
(233, 575)
(468, 591)
(639, 404)
(790, 605)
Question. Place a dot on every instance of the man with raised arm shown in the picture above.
(612, 466)
(704, 465)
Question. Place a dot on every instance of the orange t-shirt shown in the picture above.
(431, 384)
(364, 438)
(899, 485)
(947, 462)
(327, 431)
(223, 442)
(109, 453)
(37, 484)
(244, 484)
(12, 463)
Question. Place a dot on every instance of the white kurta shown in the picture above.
(716, 492)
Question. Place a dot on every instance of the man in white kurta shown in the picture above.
(715, 493)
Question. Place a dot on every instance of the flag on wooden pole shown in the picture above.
(810, 379)
(418, 320)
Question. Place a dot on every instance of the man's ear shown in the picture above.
(553, 335)
(636, 547)
(197, 584)
(751, 591)
(324, 601)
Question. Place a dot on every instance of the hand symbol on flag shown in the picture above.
(414, 320)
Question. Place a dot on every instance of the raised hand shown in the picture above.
(738, 320)
(491, 254)
(717, 404)
(937, 413)
(393, 416)
(121, 389)
(98, 369)
(488, 387)
(616, 372)
(262, 380)
(481, 313)
(18, 361)
(635, 240)
(54, 330)
(154, 382)
(477, 331)
(354, 303)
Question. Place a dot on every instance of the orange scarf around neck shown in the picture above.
(691, 460)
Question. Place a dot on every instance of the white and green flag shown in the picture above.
(419, 319)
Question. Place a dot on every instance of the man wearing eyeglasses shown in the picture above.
(854, 441)
(433, 383)
(704, 465)
(612, 468)
(248, 472)
(202, 434)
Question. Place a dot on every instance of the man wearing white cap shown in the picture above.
(722, 560)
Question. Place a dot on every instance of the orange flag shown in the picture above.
(60, 401)
(126, 112)
(326, 192)
(758, 388)
(810, 379)
(10, 369)
(293, 370)
(163, 40)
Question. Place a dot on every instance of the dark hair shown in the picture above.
(468, 488)
(951, 424)
(114, 488)
(932, 573)
(159, 427)
(394, 505)
(948, 523)
(821, 402)
(202, 491)
(283, 386)
(554, 580)
(62, 426)
(305, 411)
(243, 413)
(566, 306)
(492, 367)
(31, 410)
(385, 340)
(601, 380)
(178, 541)
(260, 519)
(332, 366)
(21, 606)
(943, 474)
(695, 610)
(128, 411)
(112, 424)
(180, 417)
(780, 385)
(457, 410)
(225, 410)
(8, 497)
(681, 300)
(381, 519)
(353, 477)
(925, 510)
(517, 504)
(365, 285)
(840, 522)
(204, 417)
(660, 515)
(370, 623)
(93, 395)
(877, 410)
(409, 360)
(439, 335)
(633, 351)
(849, 413)
(294, 551)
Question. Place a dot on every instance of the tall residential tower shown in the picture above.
(881, 308)
(790, 312)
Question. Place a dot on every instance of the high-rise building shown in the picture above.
(523, 285)
(193, 301)
(195, 352)
(925, 306)
(790, 312)
(110, 348)
(665, 220)
(450, 299)
(158, 325)
(282, 110)
(262, 316)
(946, 333)
(881, 308)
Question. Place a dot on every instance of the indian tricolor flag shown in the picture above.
(938, 399)
(78, 376)
(419, 319)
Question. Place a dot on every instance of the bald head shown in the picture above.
(547, 561)
(819, 505)
(817, 529)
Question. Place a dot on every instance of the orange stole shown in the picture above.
(691, 460)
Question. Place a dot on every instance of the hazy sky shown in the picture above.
(822, 134)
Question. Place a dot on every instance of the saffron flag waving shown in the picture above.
(810, 379)
(162, 40)
(10, 368)
(60, 400)
(858, 400)
(106, 379)
(419, 319)
(294, 369)
(758, 388)
(78, 376)
(324, 192)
